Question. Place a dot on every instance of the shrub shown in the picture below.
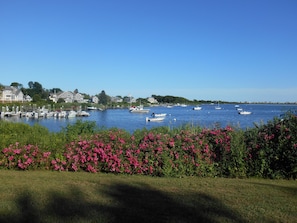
(272, 149)
(268, 150)
(25, 134)
(24, 157)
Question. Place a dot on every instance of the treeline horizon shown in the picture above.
(39, 94)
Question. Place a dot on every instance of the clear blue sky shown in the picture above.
(198, 49)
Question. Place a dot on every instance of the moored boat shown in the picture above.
(92, 108)
(218, 107)
(138, 109)
(71, 114)
(82, 114)
(244, 112)
(197, 108)
(155, 119)
(159, 114)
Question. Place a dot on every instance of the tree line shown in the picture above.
(38, 94)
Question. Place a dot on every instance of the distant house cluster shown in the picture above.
(70, 97)
(14, 94)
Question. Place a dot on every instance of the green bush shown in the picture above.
(272, 148)
(25, 134)
(267, 150)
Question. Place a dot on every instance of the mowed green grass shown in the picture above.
(45, 196)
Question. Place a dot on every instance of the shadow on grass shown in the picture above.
(126, 203)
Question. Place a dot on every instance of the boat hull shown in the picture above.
(155, 119)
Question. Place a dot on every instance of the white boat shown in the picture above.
(61, 114)
(92, 108)
(218, 107)
(42, 113)
(138, 109)
(32, 115)
(155, 119)
(82, 114)
(71, 114)
(159, 114)
(50, 114)
(244, 112)
(197, 108)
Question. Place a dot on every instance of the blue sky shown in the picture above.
(206, 50)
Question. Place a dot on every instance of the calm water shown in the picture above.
(176, 116)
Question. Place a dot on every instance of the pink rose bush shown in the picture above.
(272, 149)
(24, 157)
(266, 151)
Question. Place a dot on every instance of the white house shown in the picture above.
(116, 99)
(94, 99)
(152, 100)
(68, 97)
(11, 94)
(78, 97)
(27, 98)
(53, 97)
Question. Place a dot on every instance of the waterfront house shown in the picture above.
(78, 97)
(152, 100)
(94, 99)
(11, 94)
(116, 99)
(68, 97)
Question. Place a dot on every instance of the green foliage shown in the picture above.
(103, 98)
(79, 128)
(234, 161)
(268, 151)
(170, 99)
(272, 148)
(25, 134)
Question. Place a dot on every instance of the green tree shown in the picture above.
(55, 90)
(36, 98)
(103, 98)
(17, 85)
(60, 100)
(34, 89)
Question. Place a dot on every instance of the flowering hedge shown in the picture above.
(272, 149)
(266, 151)
(25, 157)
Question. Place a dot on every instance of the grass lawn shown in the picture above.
(45, 196)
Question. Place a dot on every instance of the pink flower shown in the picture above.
(46, 154)
(151, 169)
(21, 166)
(122, 141)
(29, 161)
(17, 151)
(5, 150)
(74, 167)
(91, 169)
(54, 162)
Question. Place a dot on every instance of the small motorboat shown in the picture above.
(159, 114)
(197, 108)
(154, 119)
(244, 112)
(138, 109)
